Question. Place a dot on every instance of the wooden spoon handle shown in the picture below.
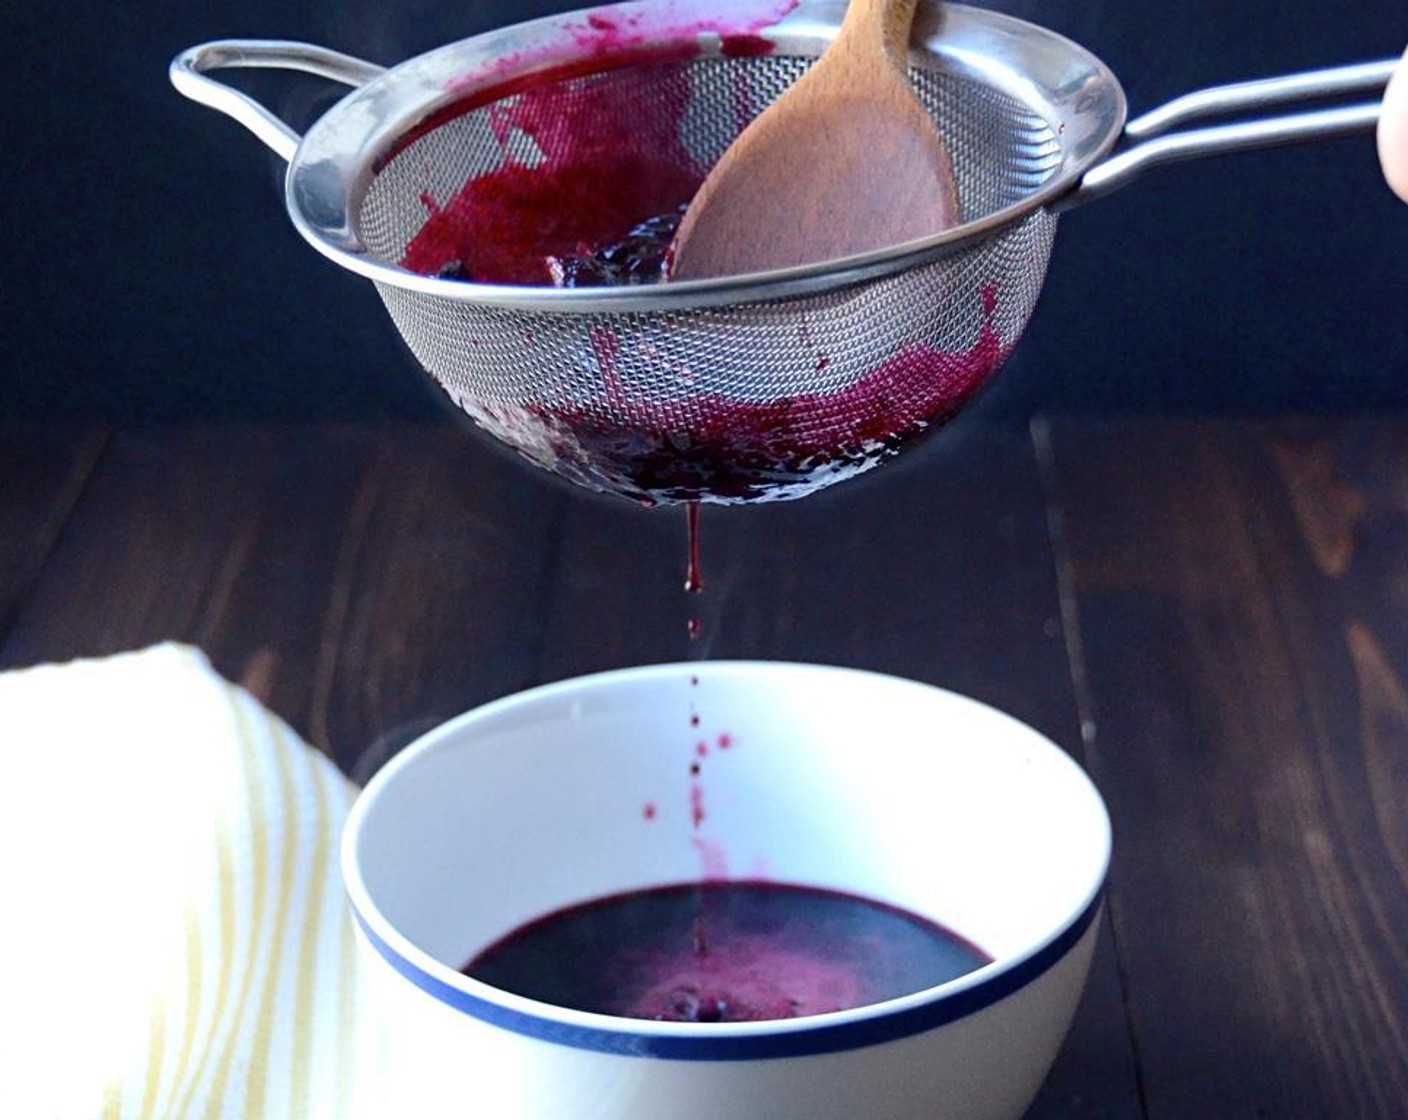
(880, 24)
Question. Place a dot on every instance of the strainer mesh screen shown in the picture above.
(749, 401)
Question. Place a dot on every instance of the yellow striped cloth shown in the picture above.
(174, 941)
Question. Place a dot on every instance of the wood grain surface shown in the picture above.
(44, 470)
(1212, 616)
(1240, 597)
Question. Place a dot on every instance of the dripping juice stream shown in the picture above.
(693, 587)
(693, 580)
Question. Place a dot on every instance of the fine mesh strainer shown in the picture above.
(744, 388)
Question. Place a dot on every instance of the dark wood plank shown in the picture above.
(195, 535)
(43, 470)
(936, 568)
(439, 594)
(1244, 635)
(360, 581)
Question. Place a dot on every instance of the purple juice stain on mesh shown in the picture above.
(600, 209)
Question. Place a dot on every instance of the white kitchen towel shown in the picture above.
(174, 941)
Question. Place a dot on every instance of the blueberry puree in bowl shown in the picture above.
(725, 951)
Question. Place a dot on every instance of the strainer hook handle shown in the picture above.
(1152, 140)
(189, 75)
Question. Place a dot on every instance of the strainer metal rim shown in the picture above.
(1080, 98)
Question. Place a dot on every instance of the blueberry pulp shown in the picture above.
(642, 256)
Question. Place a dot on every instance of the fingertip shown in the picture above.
(1393, 131)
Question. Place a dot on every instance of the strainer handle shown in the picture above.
(1151, 143)
(188, 75)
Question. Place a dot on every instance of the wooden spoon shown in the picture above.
(846, 161)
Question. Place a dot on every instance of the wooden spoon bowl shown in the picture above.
(846, 161)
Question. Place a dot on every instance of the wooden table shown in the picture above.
(1212, 616)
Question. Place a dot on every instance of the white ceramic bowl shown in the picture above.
(833, 778)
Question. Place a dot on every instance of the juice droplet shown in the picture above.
(696, 803)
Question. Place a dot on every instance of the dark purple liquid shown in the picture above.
(724, 951)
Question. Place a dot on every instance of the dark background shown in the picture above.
(151, 272)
